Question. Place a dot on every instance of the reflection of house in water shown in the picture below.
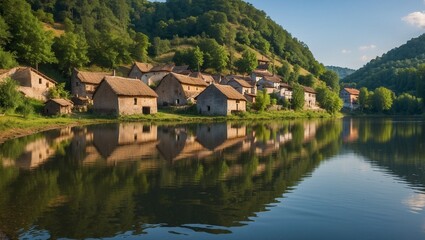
(178, 143)
(82, 146)
(310, 129)
(40, 150)
(220, 136)
(350, 130)
(125, 141)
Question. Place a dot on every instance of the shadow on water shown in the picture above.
(100, 181)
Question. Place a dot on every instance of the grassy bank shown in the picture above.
(12, 126)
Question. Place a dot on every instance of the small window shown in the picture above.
(196, 88)
(237, 101)
(188, 87)
(40, 81)
(77, 84)
(135, 101)
(209, 108)
(47, 85)
(135, 137)
(146, 129)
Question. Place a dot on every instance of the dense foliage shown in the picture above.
(398, 70)
(342, 72)
(114, 32)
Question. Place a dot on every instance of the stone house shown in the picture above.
(309, 98)
(258, 74)
(177, 89)
(139, 69)
(209, 79)
(58, 106)
(84, 84)
(220, 100)
(124, 96)
(285, 92)
(270, 83)
(350, 97)
(32, 83)
(157, 73)
(244, 87)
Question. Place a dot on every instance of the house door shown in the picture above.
(146, 110)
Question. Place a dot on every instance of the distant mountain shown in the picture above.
(397, 70)
(342, 72)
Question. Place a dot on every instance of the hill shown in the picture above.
(342, 72)
(111, 33)
(398, 70)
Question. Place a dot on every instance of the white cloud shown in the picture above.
(365, 58)
(416, 19)
(345, 51)
(367, 47)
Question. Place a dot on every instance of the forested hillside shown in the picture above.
(109, 33)
(401, 70)
(342, 72)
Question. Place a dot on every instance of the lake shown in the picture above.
(314, 179)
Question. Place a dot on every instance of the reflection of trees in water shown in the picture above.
(224, 188)
(398, 146)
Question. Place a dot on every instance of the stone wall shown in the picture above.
(135, 105)
(105, 100)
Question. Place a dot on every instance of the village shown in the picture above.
(147, 88)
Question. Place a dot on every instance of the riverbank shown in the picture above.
(13, 126)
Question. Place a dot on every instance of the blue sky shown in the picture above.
(348, 33)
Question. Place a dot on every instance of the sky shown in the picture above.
(348, 33)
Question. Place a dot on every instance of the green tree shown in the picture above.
(215, 55)
(406, 103)
(307, 80)
(7, 60)
(4, 32)
(247, 63)
(197, 57)
(30, 42)
(262, 100)
(71, 50)
(382, 99)
(331, 79)
(329, 100)
(59, 91)
(298, 99)
(140, 48)
(284, 71)
(363, 98)
(10, 98)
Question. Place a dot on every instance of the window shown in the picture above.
(77, 84)
(237, 101)
(40, 81)
(47, 85)
(188, 87)
(135, 101)
(146, 129)
(209, 108)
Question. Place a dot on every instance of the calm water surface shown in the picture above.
(322, 179)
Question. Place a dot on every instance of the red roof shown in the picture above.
(352, 91)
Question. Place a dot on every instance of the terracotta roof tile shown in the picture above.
(352, 91)
(129, 87)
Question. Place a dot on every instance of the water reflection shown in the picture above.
(105, 180)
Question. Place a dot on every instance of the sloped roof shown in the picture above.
(180, 69)
(242, 82)
(62, 102)
(189, 80)
(229, 92)
(92, 77)
(143, 67)
(285, 85)
(262, 72)
(163, 68)
(206, 77)
(352, 91)
(309, 89)
(129, 87)
(19, 69)
(273, 78)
